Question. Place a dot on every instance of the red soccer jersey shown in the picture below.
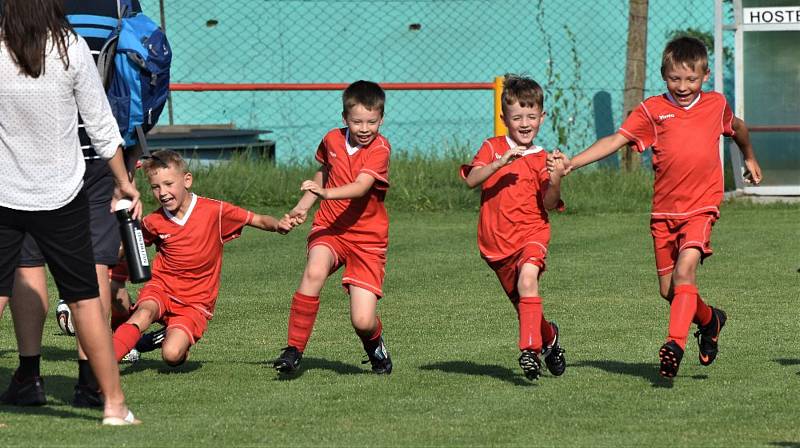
(685, 144)
(189, 259)
(512, 208)
(361, 220)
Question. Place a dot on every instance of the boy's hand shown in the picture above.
(557, 160)
(298, 216)
(286, 224)
(752, 172)
(511, 155)
(310, 185)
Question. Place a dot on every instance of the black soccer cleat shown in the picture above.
(87, 397)
(530, 364)
(289, 360)
(553, 355)
(28, 392)
(380, 359)
(707, 336)
(670, 356)
(151, 341)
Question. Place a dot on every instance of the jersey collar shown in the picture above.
(182, 222)
(672, 100)
(350, 149)
(532, 150)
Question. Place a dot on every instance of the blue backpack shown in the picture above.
(134, 65)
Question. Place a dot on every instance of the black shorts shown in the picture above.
(63, 235)
(98, 183)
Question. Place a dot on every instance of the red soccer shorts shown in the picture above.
(671, 236)
(507, 269)
(364, 266)
(174, 314)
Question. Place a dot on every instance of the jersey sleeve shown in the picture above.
(232, 220)
(639, 129)
(322, 153)
(483, 157)
(376, 165)
(148, 231)
(727, 120)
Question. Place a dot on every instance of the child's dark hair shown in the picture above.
(164, 159)
(522, 90)
(686, 50)
(366, 93)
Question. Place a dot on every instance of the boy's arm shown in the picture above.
(353, 190)
(270, 224)
(600, 149)
(741, 136)
(552, 195)
(300, 211)
(478, 175)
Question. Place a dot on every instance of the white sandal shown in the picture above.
(116, 421)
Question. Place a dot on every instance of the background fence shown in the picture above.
(574, 48)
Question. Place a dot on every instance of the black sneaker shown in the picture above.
(670, 356)
(708, 335)
(151, 341)
(530, 364)
(553, 355)
(289, 360)
(29, 392)
(87, 397)
(380, 359)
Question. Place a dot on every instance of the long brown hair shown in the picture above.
(27, 25)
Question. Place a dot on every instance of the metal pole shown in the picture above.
(719, 55)
(164, 28)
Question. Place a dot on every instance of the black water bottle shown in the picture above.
(133, 243)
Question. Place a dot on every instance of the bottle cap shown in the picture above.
(123, 204)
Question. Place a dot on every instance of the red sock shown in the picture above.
(125, 338)
(681, 313)
(702, 316)
(302, 315)
(530, 323)
(548, 334)
(370, 341)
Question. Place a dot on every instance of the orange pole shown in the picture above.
(499, 126)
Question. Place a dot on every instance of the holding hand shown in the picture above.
(286, 224)
(557, 160)
(313, 187)
(297, 216)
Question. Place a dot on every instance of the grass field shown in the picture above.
(452, 336)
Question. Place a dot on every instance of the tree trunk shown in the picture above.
(635, 69)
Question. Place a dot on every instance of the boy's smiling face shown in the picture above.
(363, 124)
(171, 187)
(523, 123)
(684, 83)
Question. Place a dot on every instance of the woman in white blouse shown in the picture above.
(48, 76)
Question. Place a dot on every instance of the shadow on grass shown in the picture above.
(319, 364)
(160, 366)
(471, 368)
(786, 444)
(787, 361)
(58, 389)
(647, 371)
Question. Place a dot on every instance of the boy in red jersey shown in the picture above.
(513, 227)
(683, 127)
(189, 232)
(350, 229)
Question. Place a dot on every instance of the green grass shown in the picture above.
(452, 336)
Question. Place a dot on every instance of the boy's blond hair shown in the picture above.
(686, 50)
(522, 90)
(164, 158)
(366, 93)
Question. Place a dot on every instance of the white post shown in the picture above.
(719, 81)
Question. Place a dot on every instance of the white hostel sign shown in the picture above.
(765, 18)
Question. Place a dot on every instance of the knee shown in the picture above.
(315, 274)
(528, 286)
(665, 293)
(683, 276)
(363, 324)
(173, 356)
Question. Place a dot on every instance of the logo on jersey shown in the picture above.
(663, 118)
(497, 156)
(164, 236)
(332, 154)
